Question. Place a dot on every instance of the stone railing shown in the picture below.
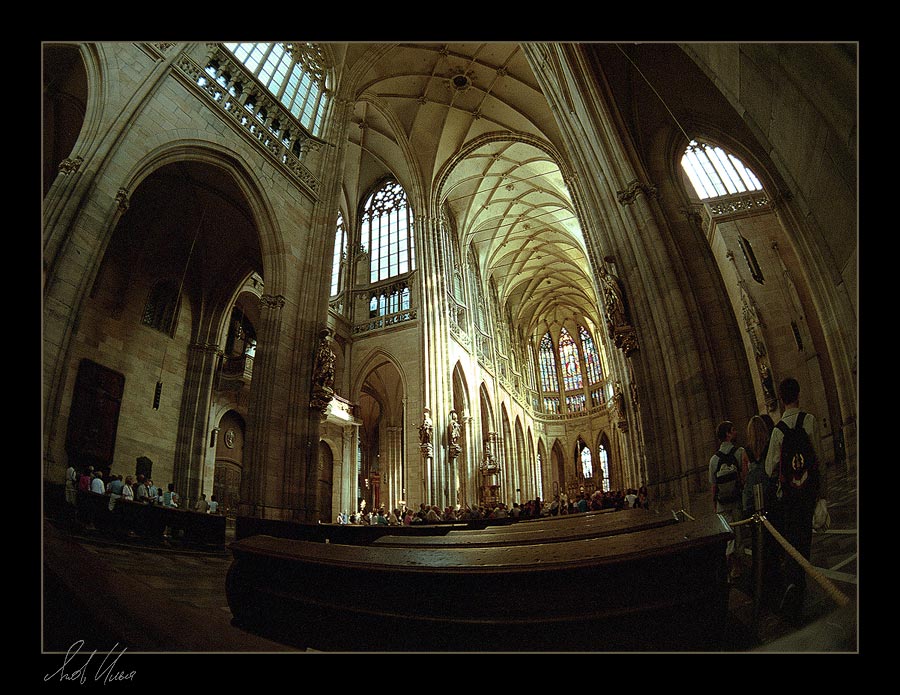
(385, 321)
(237, 96)
(739, 203)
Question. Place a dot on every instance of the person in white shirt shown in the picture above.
(97, 483)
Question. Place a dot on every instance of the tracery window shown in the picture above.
(389, 301)
(575, 403)
(475, 290)
(292, 72)
(386, 232)
(591, 356)
(568, 357)
(714, 172)
(547, 362)
(340, 254)
(530, 369)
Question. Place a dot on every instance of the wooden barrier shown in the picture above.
(358, 534)
(150, 521)
(658, 588)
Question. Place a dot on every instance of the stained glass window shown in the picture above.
(587, 464)
(575, 403)
(568, 357)
(604, 466)
(591, 356)
(547, 356)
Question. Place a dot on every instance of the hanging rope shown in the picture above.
(658, 96)
(840, 598)
(158, 393)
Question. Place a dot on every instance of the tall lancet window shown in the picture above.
(387, 229)
(547, 361)
(591, 356)
(604, 466)
(587, 462)
(571, 364)
(340, 254)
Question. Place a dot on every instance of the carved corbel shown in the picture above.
(70, 166)
(630, 193)
(122, 199)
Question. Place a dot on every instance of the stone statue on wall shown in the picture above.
(619, 401)
(453, 433)
(454, 427)
(618, 315)
(426, 429)
(614, 301)
(323, 374)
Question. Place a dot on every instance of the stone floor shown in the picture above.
(177, 603)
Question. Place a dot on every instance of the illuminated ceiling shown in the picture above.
(470, 120)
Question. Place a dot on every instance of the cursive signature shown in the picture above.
(78, 670)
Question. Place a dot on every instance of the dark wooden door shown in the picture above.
(94, 416)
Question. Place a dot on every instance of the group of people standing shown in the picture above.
(776, 472)
(139, 489)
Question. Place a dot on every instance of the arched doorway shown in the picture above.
(229, 464)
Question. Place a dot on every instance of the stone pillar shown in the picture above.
(255, 498)
(193, 440)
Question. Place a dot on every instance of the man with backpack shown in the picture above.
(792, 462)
(725, 478)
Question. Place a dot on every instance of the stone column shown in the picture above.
(193, 439)
(255, 498)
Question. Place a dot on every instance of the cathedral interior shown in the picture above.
(310, 278)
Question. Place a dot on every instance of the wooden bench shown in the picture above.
(658, 588)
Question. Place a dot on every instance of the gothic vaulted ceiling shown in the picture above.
(467, 123)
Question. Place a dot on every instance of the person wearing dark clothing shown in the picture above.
(795, 498)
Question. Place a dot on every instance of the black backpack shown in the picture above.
(798, 472)
(728, 477)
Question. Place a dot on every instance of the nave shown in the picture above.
(184, 607)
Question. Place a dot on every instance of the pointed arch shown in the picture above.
(380, 390)
(523, 482)
(558, 463)
(603, 461)
(508, 478)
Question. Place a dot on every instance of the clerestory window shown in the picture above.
(547, 363)
(571, 364)
(292, 72)
(715, 173)
(591, 356)
(386, 232)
